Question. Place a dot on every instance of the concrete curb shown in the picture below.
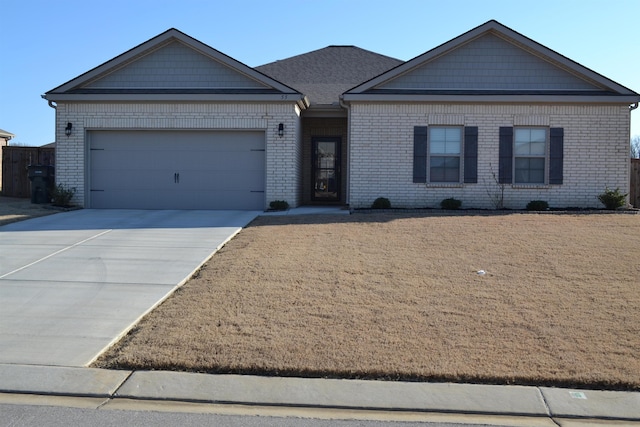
(321, 393)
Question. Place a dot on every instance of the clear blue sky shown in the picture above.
(45, 43)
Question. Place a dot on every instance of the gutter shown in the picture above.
(51, 103)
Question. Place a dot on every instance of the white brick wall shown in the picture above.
(596, 145)
(596, 140)
(283, 168)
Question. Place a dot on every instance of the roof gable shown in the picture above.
(173, 66)
(491, 61)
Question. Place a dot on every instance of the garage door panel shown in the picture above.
(136, 179)
(177, 170)
(247, 160)
(234, 181)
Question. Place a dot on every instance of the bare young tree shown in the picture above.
(635, 147)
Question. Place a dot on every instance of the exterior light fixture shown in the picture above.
(67, 130)
(280, 130)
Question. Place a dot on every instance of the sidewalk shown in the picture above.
(542, 403)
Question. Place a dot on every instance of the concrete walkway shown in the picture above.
(533, 406)
(73, 283)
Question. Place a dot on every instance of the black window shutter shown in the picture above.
(420, 154)
(471, 155)
(556, 150)
(505, 153)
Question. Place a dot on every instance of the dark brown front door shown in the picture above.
(326, 169)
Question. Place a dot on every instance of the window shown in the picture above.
(529, 152)
(445, 154)
(527, 148)
(445, 148)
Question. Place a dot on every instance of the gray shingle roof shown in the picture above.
(322, 75)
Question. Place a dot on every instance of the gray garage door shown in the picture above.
(176, 170)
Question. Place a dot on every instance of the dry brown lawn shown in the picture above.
(398, 296)
(15, 209)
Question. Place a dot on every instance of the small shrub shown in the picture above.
(279, 205)
(612, 199)
(537, 205)
(450, 203)
(381, 203)
(61, 196)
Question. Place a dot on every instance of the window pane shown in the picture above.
(452, 162)
(452, 147)
(437, 147)
(536, 164)
(437, 175)
(538, 135)
(537, 148)
(529, 142)
(522, 135)
(529, 170)
(445, 140)
(437, 134)
(522, 148)
(437, 162)
(453, 134)
(445, 169)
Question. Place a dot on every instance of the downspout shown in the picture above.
(348, 108)
(55, 107)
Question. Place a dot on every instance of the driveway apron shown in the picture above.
(73, 283)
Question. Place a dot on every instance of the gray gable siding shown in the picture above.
(172, 66)
(489, 63)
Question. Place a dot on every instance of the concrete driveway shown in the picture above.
(72, 283)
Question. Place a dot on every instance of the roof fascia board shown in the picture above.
(158, 41)
(506, 33)
(554, 99)
(177, 97)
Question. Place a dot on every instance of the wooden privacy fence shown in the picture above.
(15, 180)
(634, 189)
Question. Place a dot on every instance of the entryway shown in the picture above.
(326, 170)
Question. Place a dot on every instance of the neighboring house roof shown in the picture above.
(174, 66)
(49, 145)
(6, 135)
(324, 74)
(491, 63)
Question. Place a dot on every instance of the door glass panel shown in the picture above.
(326, 163)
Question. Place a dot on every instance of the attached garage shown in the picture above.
(186, 169)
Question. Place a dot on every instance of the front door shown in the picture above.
(326, 169)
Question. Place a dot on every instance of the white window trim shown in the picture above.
(546, 155)
(459, 182)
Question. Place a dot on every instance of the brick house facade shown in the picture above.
(490, 112)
